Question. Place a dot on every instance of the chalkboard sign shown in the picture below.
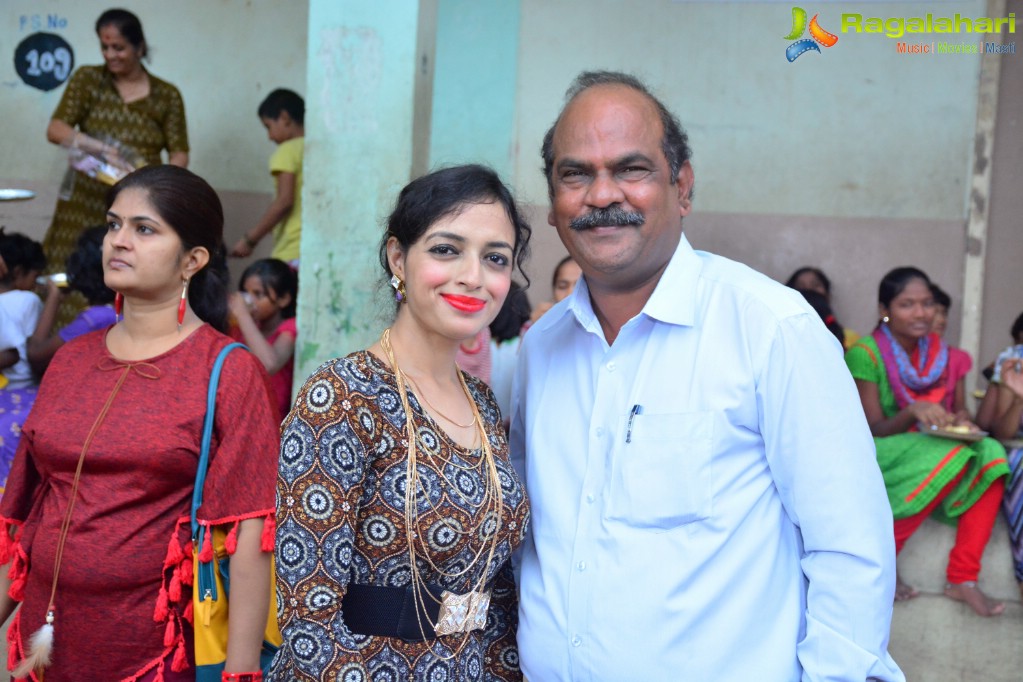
(44, 60)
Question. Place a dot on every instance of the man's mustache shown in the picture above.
(607, 217)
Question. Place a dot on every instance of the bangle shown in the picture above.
(249, 240)
(242, 677)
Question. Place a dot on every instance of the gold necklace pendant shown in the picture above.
(462, 612)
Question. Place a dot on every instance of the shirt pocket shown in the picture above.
(662, 479)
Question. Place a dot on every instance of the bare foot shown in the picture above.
(904, 592)
(969, 593)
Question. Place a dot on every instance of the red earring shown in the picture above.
(118, 304)
(183, 303)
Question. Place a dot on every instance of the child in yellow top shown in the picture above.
(283, 115)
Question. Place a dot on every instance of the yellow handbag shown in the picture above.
(211, 578)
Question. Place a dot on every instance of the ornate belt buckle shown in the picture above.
(462, 612)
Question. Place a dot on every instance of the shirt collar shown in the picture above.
(673, 300)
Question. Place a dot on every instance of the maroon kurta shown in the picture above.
(127, 552)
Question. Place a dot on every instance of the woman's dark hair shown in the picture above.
(1017, 329)
(192, 209)
(819, 302)
(127, 24)
(283, 100)
(816, 272)
(444, 193)
(895, 281)
(940, 297)
(275, 275)
(85, 267)
(513, 314)
(19, 251)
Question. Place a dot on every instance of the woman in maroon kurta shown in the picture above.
(127, 405)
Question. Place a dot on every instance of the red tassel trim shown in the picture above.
(159, 672)
(161, 611)
(231, 541)
(169, 633)
(6, 543)
(14, 642)
(180, 661)
(174, 593)
(186, 572)
(266, 542)
(189, 613)
(18, 573)
(174, 553)
(206, 550)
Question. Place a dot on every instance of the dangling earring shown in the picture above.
(885, 319)
(183, 303)
(118, 304)
(399, 288)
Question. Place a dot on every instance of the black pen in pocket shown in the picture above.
(636, 409)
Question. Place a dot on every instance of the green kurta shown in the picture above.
(92, 104)
(917, 466)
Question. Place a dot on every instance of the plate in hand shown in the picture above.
(968, 436)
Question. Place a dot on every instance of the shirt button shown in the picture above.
(590, 498)
(611, 366)
(576, 641)
(600, 431)
(581, 566)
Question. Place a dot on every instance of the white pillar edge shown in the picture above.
(978, 203)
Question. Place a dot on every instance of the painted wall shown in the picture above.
(858, 130)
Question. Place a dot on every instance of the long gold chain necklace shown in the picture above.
(422, 394)
(413, 484)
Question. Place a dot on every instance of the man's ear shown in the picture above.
(685, 181)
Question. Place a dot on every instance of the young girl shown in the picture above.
(266, 322)
(19, 312)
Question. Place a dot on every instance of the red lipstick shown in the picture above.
(466, 304)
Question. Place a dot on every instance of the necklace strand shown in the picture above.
(422, 394)
(412, 484)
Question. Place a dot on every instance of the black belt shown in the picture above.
(392, 611)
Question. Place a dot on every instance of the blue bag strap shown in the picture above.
(207, 433)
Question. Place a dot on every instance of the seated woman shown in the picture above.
(902, 374)
(1007, 424)
(987, 412)
(959, 361)
(808, 278)
(566, 273)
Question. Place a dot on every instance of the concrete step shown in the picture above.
(936, 639)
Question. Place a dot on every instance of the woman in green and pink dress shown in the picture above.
(907, 386)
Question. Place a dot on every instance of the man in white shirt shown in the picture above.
(706, 501)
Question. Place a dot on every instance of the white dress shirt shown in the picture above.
(707, 504)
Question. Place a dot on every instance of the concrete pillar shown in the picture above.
(358, 154)
(475, 84)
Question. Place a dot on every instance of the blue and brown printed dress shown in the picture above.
(341, 520)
